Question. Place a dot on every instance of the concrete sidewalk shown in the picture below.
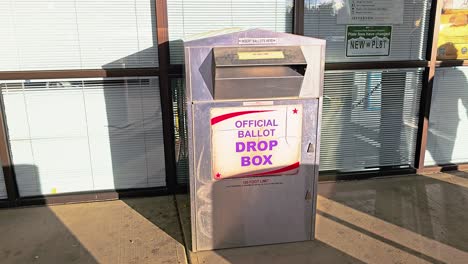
(144, 230)
(405, 219)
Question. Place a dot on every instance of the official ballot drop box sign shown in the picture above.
(253, 105)
(262, 140)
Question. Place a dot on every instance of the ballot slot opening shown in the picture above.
(257, 72)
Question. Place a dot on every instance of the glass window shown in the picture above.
(325, 19)
(370, 119)
(190, 17)
(85, 135)
(69, 34)
(447, 139)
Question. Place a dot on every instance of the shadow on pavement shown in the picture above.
(415, 215)
(37, 235)
(163, 215)
(141, 230)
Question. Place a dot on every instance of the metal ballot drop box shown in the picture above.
(253, 105)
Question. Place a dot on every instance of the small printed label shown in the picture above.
(335, 38)
(257, 103)
(257, 41)
(260, 55)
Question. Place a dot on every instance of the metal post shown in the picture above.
(298, 17)
(426, 93)
(5, 157)
(165, 91)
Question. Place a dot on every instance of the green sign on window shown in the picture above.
(363, 41)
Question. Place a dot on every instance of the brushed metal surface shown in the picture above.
(256, 82)
(230, 213)
(199, 60)
(257, 88)
(228, 56)
(256, 72)
(242, 212)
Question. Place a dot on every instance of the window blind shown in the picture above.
(3, 192)
(189, 17)
(180, 130)
(77, 34)
(370, 119)
(447, 139)
(85, 135)
(408, 40)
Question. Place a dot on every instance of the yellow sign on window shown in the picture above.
(453, 35)
(260, 55)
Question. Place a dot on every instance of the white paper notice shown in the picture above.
(371, 12)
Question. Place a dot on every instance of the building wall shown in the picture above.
(98, 133)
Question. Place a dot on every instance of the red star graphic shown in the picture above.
(218, 175)
(295, 111)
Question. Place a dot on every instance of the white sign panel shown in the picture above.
(256, 141)
(371, 12)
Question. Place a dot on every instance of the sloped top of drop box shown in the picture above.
(250, 37)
